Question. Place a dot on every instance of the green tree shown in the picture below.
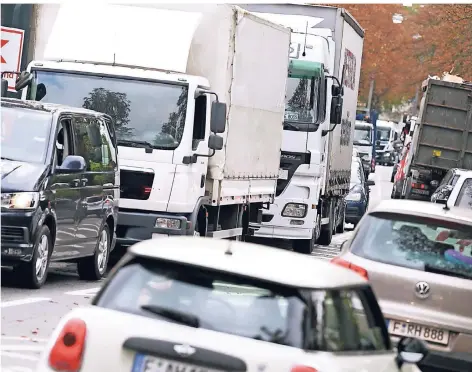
(115, 104)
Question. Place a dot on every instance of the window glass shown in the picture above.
(301, 104)
(25, 129)
(415, 243)
(362, 136)
(446, 179)
(464, 199)
(383, 134)
(142, 111)
(84, 146)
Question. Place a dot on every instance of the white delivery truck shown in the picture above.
(198, 102)
(363, 144)
(317, 149)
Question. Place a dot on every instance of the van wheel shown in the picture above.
(94, 267)
(33, 274)
(326, 234)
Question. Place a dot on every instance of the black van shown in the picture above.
(60, 189)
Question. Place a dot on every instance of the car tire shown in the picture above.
(326, 234)
(95, 267)
(27, 272)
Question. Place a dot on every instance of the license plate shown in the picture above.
(291, 116)
(283, 174)
(435, 335)
(420, 191)
(144, 363)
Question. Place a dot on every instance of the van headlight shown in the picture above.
(20, 200)
(294, 210)
(168, 223)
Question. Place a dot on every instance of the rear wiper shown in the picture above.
(178, 316)
(437, 270)
(288, 125)
(134, 143)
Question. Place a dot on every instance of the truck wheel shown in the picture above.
(33, 274)
(340, 227)
(94, 267)
(326, 234)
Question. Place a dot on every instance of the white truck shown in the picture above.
(317, 149)
(387, 133)
(363, 144)
(198, 102)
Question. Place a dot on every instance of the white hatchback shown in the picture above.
(195, 304)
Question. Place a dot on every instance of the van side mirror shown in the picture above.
(23, 80)
(72, 164)
(411, 350)
(4, 87)
(215, 142)
(218, 117)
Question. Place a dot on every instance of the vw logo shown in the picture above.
(422, 289)
(184, 350)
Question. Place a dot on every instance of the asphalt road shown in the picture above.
(29, 316)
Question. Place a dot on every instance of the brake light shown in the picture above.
(66, 354)
(340, 262)
(303, 369)
(418, 186)
(147, 190)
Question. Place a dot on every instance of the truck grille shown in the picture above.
(136, 185)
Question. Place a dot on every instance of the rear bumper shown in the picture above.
(282, 232)
(134, 227)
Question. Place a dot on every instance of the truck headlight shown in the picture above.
(294, 210)
(20, 200)
(168, 223)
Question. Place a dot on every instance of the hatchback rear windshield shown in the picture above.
(420, 244)
(330, 320)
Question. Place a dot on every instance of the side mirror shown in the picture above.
(410, 350)
(4, 87)
(94, 134)
(23, 80)
(215, 142)
(370, 183)
(336, 110)
(72, 164)
(40, 92)
(336, 90)
(218, 117)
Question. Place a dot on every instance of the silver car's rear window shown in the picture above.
(421, 244)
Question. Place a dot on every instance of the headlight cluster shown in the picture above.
(20, 200)
(294, 210)
(168, 223)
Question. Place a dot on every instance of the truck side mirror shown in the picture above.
(23, 80)
(336, 90)
(4, 87)
(336, 110)
(215, 142)
(218, 117)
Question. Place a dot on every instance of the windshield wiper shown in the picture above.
(439, 270)
(4, 158)
(134, 143)
(288, 125)
(176, 315)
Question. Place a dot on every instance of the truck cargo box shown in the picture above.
(443, 139)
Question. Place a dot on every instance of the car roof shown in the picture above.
(251, 260)
(424, 209)
(460, 171)
(46, 107)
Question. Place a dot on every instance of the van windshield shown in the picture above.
(16, 122)
(383, 134)
(362, 136)
(144, 112)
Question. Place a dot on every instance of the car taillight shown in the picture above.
(147, 190)
(303, 369)
(340, 262)
(66, 354)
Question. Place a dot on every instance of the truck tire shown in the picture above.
(340, 227)
(326, 234)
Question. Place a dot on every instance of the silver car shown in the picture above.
(418, 258)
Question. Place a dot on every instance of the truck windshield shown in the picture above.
(149, 114)
(300, 105)
(383, 134)
(362, 136)
(16, 122)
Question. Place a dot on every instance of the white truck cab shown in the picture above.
(199, 132)
(363, 143)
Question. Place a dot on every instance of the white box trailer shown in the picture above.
(216, 50)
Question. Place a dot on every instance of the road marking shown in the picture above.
(18, 356)
(9, 348)
(84, 292)
(24, 301)
(19, 338)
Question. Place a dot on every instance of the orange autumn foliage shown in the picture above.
(432, 39)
